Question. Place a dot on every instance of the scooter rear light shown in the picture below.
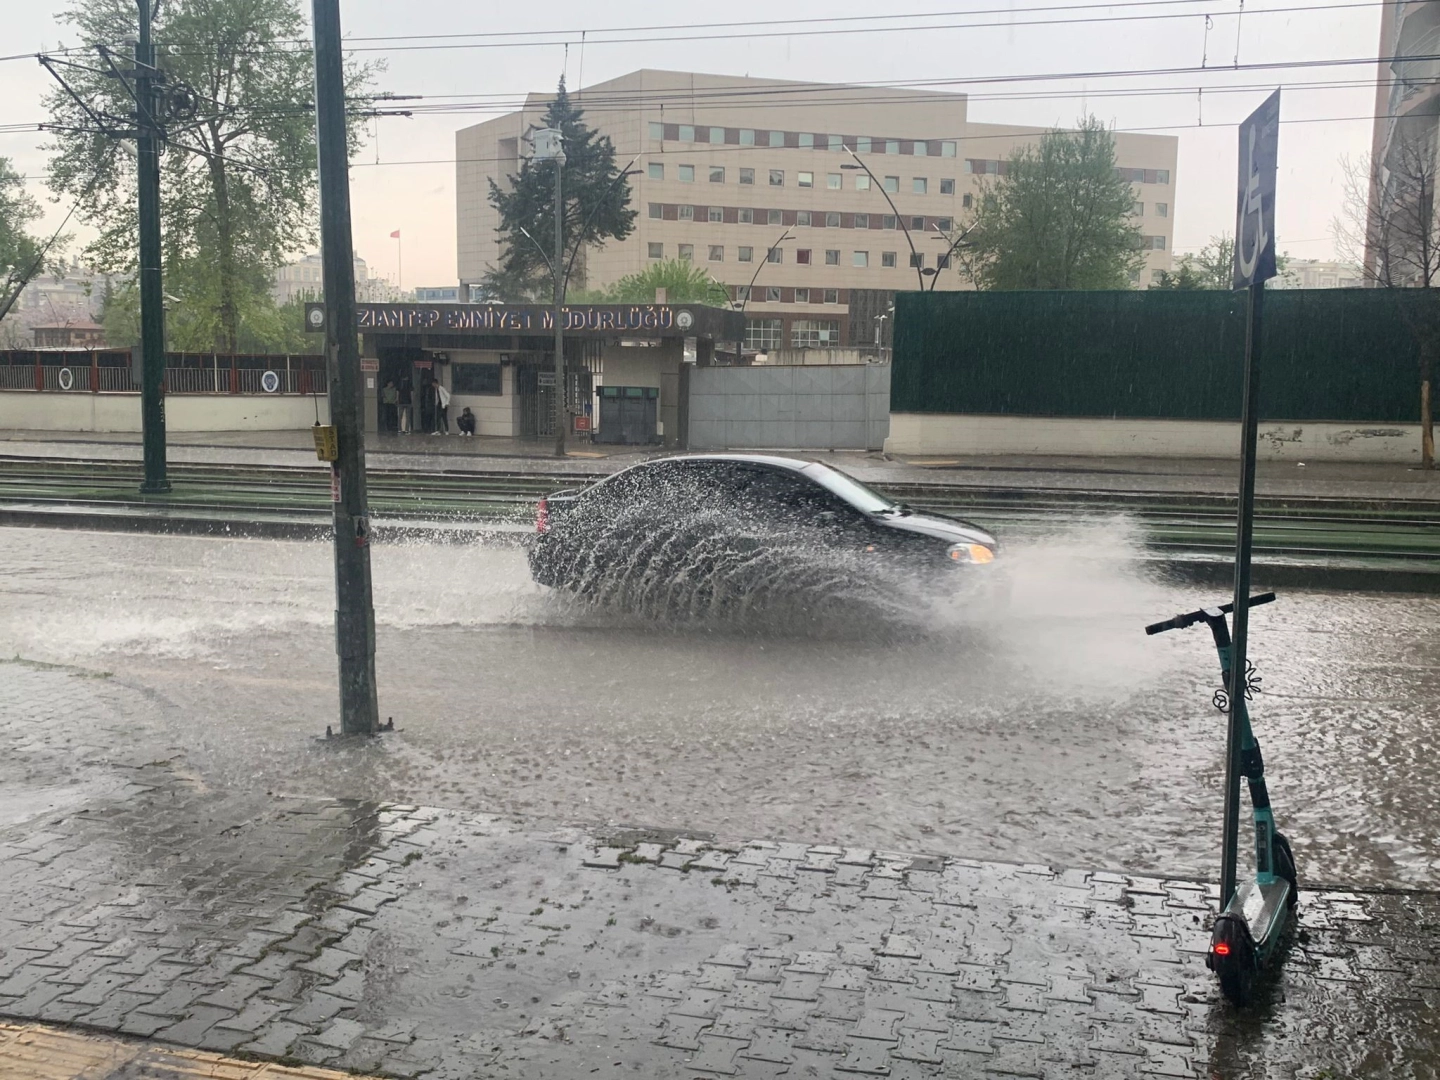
(1220, 949)
(542, 516)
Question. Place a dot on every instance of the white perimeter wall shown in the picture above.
(939, 434)
(32, 411)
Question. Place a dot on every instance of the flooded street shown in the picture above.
(1049, 729)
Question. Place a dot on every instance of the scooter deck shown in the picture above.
(1264, 909)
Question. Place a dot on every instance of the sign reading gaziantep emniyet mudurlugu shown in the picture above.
(657, 320)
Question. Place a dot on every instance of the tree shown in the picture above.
(238, 183)
(1212, 267)
(682, 280)
(19, 251)
(1059, 216)
(1389, 226)
(596, 206)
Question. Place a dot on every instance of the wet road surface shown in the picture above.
(1050, 731)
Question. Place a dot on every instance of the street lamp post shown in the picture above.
(786, 235)
(914, 254)
(550, 146)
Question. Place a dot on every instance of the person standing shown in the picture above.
(442, 408)
(407, 408)
(390, 398)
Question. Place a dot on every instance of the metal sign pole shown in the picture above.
(1254, 264)
(152, 300)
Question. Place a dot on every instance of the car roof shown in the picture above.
(774, 460)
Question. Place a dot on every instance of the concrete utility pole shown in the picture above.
(152, 299)
(354, 605)
(550, 146)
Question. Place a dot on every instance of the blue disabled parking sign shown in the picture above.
(1255, 204)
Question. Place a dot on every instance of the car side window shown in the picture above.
(793, 497)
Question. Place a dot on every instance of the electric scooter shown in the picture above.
(1247, 934)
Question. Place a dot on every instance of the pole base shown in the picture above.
(382, 729)
(155, 487)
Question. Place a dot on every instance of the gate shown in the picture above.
(627, 415)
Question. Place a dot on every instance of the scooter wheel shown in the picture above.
(1232, 958)
(1285, 866)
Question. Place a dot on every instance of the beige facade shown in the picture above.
(728, 165)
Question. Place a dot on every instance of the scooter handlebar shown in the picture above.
(1180, 622)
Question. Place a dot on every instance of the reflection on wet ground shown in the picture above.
(1049, 729)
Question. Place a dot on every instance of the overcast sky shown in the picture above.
(419, 199)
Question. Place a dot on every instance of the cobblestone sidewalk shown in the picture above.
(414, 941)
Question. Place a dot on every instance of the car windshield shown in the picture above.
(849, 489)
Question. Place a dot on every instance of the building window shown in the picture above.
(832, 256)
(836, 143)
(1158, 242)
(716, 213)
(655, 170)
(656, 251)
(832, 296)
(859, 258)
(805, 179)
(834, 181)
(892, 146)
(717, 253)
(777, 177)
(917, 260)
(919, 148)
(802, 296)
(745, 215)
(947, 149)
(686, 173)
(1162, 176)
(1155, 275)
(917, 224)
(1162, 209)
(657, 131)
(862, 221)
(920, 185)
(745, 254)
(775, 255)
(802, 217)
(807, 141)
(892, 184)
(656, 210)
(687, 132)
(687, 213)
(832, 220)
(887, 258)
(862, 181)
(742, 294)
(942, 262)
(763, 334)
(947, 187)
(802, 256)
(717, 174)
(863, 144)
(943, 224)
(717, 135)
(687, 252)
(747, 137)
(967, 200)
(747, 176)
(777, 138)
(772, 294)
(1137, 209)
(888, 222)
(774, 217)
(814, 333)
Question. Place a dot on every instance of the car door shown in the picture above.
(800, 508)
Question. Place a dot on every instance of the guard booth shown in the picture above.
(626, 366)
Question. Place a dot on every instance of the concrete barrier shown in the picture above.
(938, 434)
(82, 411)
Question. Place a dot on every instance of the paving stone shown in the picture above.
(340, 1034)
(197, 1021)
(868, 1056)
(771, 1044)
(682, 1032)
(717, 1055)
(276, 1039)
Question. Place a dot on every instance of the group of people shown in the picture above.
(398, 408)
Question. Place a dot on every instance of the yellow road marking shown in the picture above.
(41, 1052)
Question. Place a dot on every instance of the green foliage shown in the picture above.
(18, 249)
(238, 185)
(596, 206)
(682, 280)
(1059, 218)
(1212, 267)
(191, 317)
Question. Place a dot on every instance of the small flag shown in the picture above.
(395, 235)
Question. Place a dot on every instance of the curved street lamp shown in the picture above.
(749, 289)
(899, 220)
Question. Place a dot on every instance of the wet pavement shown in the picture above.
(413, 941)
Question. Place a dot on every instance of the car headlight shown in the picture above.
(970, 553)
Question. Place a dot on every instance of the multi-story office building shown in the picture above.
(760, 180)
(304, 280)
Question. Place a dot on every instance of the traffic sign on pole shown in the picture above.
(1255, 204)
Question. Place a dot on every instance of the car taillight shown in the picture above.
(542, 516)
